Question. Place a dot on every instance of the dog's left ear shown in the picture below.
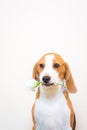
(69, 79)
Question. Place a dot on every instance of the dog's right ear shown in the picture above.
(35, 73)
(69, 80)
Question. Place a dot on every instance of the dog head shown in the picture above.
(50, 69)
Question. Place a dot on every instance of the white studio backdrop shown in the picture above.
(28, 29)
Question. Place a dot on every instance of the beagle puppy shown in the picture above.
(52, 109)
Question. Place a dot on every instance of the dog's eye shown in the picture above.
(41, 65)
(56, 65)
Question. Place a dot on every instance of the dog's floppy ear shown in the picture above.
(35, 73)
(69, 79)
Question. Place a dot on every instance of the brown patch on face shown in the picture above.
(38, 68)
(58, 60)
(72, 115)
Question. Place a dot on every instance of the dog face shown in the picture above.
(50, 69)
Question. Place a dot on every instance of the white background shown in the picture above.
(28, 29)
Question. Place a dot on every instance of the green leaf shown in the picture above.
(36, 84)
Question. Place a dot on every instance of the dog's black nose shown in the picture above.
(46, 79)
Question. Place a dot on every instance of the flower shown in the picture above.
(32, 84)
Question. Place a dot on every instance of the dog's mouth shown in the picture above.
(47, 84)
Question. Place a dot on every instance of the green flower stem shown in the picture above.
(37, 83)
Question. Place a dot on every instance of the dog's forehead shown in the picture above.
(49, 59)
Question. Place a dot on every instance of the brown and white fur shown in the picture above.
(52, 109)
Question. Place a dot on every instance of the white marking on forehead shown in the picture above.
(49, 59)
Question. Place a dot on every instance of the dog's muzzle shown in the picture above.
(46, 81)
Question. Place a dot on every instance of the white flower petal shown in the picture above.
(30, 83)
